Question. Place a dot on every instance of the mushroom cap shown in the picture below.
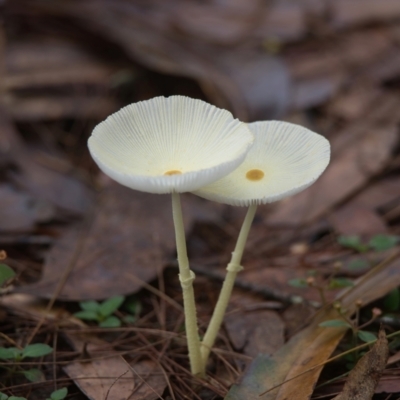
(284, 159)
(165, 145)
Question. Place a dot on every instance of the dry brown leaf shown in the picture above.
(354, 103)
(364, 377)
(258, 274)
(253, 330)
(97, 379)
(20, 212)
(56, 187)
(356, 219)
(53, 107)
(380, 194)
(111, 377)
(130, 238)
(350, 12)
(360, 216)
(389, 383)
(354, 161)
(291, 373)
(252, 83)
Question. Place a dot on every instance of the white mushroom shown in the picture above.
(284, 160)
(172, 145)
(166, 145)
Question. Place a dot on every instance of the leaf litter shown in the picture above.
(305, 353)
(364, 377)
(341, 81)
(121, 221)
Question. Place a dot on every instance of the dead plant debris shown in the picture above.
(321, 268)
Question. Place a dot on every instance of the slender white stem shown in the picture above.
(232, 270)
(186, 277)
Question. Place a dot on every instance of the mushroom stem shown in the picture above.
(232, 270)
(186, 277)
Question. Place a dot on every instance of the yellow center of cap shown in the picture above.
(255, 175)
(173, 172)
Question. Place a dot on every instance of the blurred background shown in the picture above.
(330, 65)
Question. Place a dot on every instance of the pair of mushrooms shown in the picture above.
(178, 144)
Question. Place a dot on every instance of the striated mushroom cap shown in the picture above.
(284, 160)
(165, 145)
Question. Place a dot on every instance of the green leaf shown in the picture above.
(16, 398)
(355, 265)
(392, 300)
(10, 353)
(107, 307)
(336, 283)
(59, 394)
(36, 350)
(90, 305)
(383, 242)
(366, 336)
(33, 375)
(110, 322)
(334, 323)
(298, 283)
(87, 315)
(133, 306)
(352, 242)
(6, 273)
(3, 396)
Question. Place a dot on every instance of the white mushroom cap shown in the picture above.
(284, 159)
(165, 145)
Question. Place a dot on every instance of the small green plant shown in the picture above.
(358, 331)
(101, 312)
(379, 242)
(133, 307)
(383, 242)
(6, 273)
(5, 397)
(352, 242)
(59, 394)
(14, 356)
(321, 284)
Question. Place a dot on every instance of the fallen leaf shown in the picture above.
(250, 82)
(20, 212)
(351, 12)
(57, 188)
(380, 194)
(61, 106)
(364, 377)
(259, 275)
(130, 238)
(112, 377)
(388, 383)
(296, 316)
(149, 381)
(355, 219)
(312, 346)
(248, 329)
(353, 163)
(354, 103)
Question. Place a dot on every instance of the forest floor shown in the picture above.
(90, 298)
